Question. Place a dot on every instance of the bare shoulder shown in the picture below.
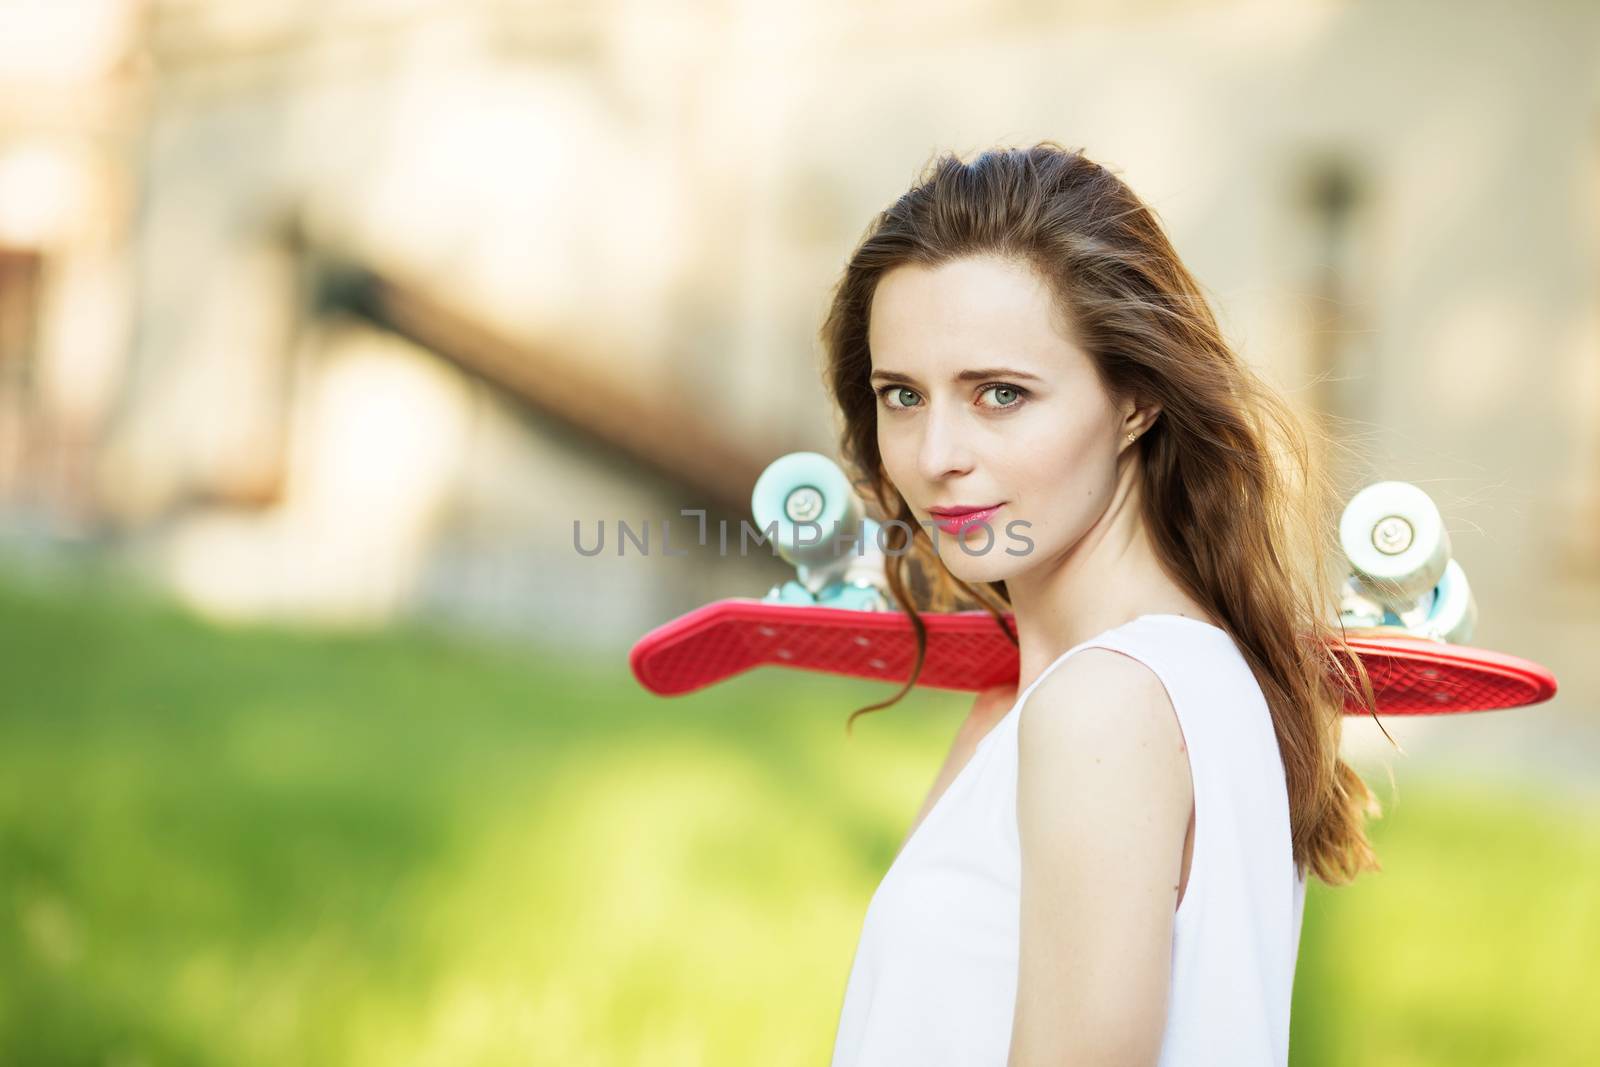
(1106, 719)
(1102, 690)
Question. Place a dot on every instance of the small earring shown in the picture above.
(1131, 435)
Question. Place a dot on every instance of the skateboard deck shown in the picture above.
(1411, 675)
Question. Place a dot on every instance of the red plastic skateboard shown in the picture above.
(1407, 609)
(966, 651)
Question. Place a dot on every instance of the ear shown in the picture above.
(1137, 420)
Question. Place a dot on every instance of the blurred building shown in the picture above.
(351, 309)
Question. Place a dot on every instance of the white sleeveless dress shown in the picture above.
(934, 978)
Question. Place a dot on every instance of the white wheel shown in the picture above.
(1454, 612)
(810, 503)
(1395, 541)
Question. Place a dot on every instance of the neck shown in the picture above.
(1110, 576)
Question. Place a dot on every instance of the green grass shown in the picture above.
(1479, 942)
(257, 846)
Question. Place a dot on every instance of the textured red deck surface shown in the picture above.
(1417, 676)
(967, 651)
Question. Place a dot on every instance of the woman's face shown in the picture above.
(983, 400)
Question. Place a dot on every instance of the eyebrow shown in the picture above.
(965, 376)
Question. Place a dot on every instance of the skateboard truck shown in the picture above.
(1401, 574)
(821, 528)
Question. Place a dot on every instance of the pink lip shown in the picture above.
(959, 523)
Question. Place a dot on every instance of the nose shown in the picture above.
(944, 451)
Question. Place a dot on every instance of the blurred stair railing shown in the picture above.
(666, 438)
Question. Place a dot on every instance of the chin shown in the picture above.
(975, 567)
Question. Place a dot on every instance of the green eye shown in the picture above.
(1016, 393)
(1009, 396)
(883, 394)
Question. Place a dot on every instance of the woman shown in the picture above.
(1111, 867)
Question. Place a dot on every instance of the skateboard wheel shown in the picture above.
(1395, 542)
(1454, 612)
(853, 597)
(790, 592)
(809, 503)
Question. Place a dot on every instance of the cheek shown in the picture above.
(1063, 476)
(888, 450)
(899, 458)
(1054, 448)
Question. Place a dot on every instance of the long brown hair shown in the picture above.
(1237, 499)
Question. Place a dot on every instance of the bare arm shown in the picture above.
(1103, 802)
(991, 704)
